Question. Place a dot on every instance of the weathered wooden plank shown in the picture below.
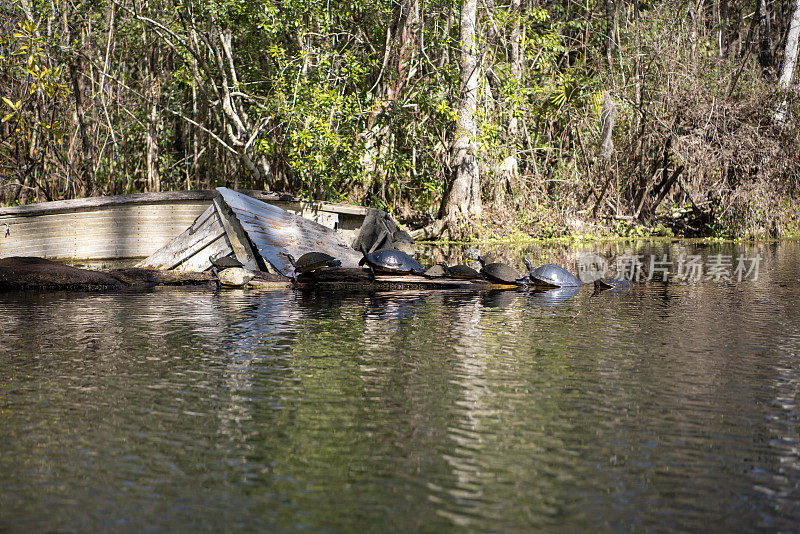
(116, 231)
(205, 230)
(199, 261)
(274, 232)
(236, 236)
(83, 204)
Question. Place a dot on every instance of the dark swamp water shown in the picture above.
(671, 407)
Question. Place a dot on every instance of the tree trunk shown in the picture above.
(86, 168)
(516, 61)
(789, 62)
(609, 37)
(463, 197)
(401, 39)
(404, 33)
(764, 51)
(153, 92)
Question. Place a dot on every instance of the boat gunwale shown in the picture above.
(91, 203)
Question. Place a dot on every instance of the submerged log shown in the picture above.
(25, 273)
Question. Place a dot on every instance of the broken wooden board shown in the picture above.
(361, 280)
(190, 251)
(275, 232)
(216, 232)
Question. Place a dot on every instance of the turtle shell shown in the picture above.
(550, 275)
(225, 262)
(500, 272)
(437, 271)
(391, 261)
(463, 271)
(235, 277)
(311, 261)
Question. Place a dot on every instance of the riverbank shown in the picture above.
(549, 223)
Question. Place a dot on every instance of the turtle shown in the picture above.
(312, 261)
(550, 275)
(235, 277)
(436, 271)
(390, 261)
(462, 271)
(618, 284)
(500, 272)
(228, 261)
(220, 264)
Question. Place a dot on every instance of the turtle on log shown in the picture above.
(550, 275)
(312, 261)
(500, 272)
(390, 261)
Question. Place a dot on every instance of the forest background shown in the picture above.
(462, 118)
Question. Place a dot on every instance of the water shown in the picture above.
(671, 407)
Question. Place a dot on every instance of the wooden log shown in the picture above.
(361, 279)
(30, 273)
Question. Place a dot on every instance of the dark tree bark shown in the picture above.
(609, 36)
(85, 165)
(764, 49)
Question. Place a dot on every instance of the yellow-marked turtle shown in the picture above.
(390, 261)
(228, 262)
(550, 275)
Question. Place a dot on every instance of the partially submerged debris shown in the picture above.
(25, 273)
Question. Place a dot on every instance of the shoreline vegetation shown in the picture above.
(466, 121)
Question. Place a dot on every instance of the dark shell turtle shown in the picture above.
(220, 264)
(225, 262)
(464, 272)
(499, 272)
(550, 275)
(390, 261)
(619, 284)
(312, 261)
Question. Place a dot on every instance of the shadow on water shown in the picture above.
(672, 406)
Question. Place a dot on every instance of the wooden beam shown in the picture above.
(236, 236)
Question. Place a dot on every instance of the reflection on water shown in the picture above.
(673, 406)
